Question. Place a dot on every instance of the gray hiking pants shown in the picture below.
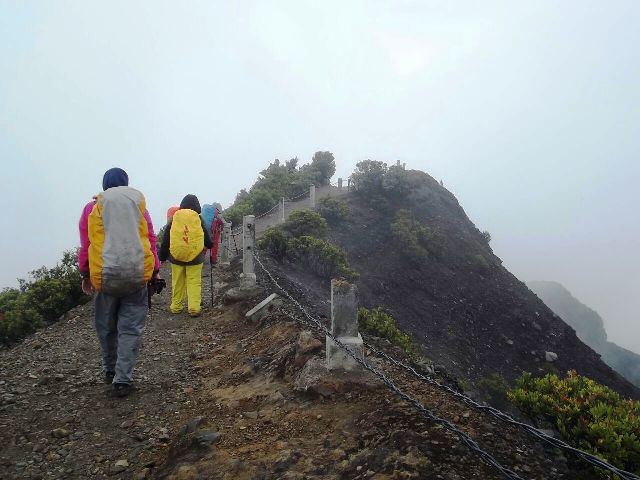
(119, 324)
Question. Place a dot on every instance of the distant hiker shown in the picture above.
(170, 212)
(117, 258)
(214, 221)
(184, 242)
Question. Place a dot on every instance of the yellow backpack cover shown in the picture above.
(186, 238)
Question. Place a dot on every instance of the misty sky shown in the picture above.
(528, 110)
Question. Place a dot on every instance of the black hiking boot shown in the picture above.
(108, 377)
(120, 389)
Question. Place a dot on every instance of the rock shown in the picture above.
(205, 438)
(550, 356)
(60, 433)
(192, 426)
(276, 397)
(186, 472)
(307, 343)
(251, 415)
(142, 474)
(120, 466)
(127, 423)
(315, 377)
(237, 294)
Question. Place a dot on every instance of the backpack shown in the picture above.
(186, 238)
(120, 257)
(208, 214)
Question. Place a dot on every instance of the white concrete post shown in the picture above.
(344, 326)
(226, 243)
(312, 196)
(340, 183)
(248, 277)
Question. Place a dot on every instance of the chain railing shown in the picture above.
(317, 324)
(536, 433)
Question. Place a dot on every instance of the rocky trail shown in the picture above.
(222, 397)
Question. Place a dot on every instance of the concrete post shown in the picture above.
(226, 244)
(340, 183)
(344, 326)
(248, 277)
(282, 211)
(349, 184)
(312, 196)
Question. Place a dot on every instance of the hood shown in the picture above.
(191, 202)
(115, 177)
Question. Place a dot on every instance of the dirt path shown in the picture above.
(56, 417)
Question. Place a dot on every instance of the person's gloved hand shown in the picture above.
(87, 286)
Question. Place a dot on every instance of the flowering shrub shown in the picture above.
(588, 415)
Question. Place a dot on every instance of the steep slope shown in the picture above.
(470, 313)
(589, 328)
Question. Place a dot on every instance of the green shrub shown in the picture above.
(588, 415)
(415, 238)
(48, 294)
(368, 176)
(333, 210)
(305, 222)
(280, 180)
(274, 242)
(479, 263)
(494, 389)
(378, 323)
(487, 236)
(396, 181)
(322, 257)
(235, 213)
(17, 317)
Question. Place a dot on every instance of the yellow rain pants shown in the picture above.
(189, 278)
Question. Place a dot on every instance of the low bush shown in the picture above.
(303, 222)
(396, 181)
(369, 176)
(381, 324)
(415, 238)
(48, 294)
(479, 263)
(494, 389)
(278, 180)
(275, 243)
(588, 415)
(322, 257)
(333, 210)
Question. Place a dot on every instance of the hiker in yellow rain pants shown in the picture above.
(183, 244)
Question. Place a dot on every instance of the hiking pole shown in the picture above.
(149, 294)
(211, 281)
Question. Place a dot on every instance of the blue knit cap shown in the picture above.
(115, 177)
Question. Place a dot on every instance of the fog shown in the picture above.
(528, 111)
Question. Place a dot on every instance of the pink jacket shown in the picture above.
(83, 254)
